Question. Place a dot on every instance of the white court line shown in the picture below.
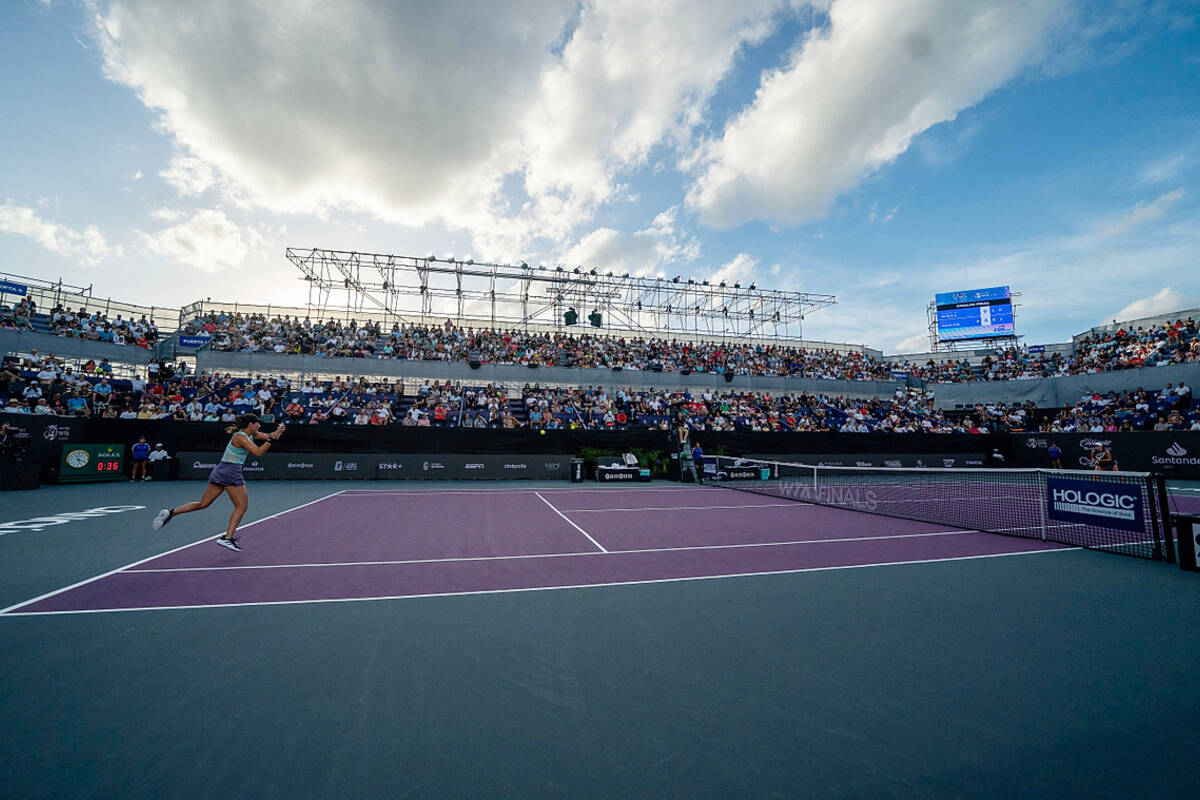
(682, 508)
(550, 555)
(535, 588)
(41, 597)
(618, 488)
(569, 522)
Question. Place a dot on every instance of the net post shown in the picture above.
(1159, 499)
(1042, 501)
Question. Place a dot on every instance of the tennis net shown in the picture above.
(1119, 512)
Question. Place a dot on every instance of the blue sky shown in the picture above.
(877, 150)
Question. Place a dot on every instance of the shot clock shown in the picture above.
(91, 462)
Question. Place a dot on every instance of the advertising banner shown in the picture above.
(194, 341)
(383, 466)
(1174, 453)
(1082, 501)
(8, 287)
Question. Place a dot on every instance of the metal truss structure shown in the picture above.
(431, 289)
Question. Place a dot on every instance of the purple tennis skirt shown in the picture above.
(226, 473)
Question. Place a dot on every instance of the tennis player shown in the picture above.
(227, 476)
(1104, 460)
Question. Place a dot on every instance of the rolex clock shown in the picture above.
(91, 462)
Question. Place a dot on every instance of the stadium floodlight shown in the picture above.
(675, 279)
(722, 284)
(578, 270)
(526, 266)
(737, 286)
(626, 275)
(593, 272)
(753, 286)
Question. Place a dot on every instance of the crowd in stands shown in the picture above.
(95, 326)
(1170, 409)
(1168, 343)
(44, 385)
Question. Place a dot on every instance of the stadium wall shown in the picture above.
(1065, 390)
(272, 364)
(63, 347)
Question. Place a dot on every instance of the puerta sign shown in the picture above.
(1088, 502)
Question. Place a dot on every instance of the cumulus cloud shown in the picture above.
(88, 246)
(643, 252)
(1164, 301)
(740, 270)
(446, 113)
(917, 343)
(208, 241)
(189, 176)
(853, 97)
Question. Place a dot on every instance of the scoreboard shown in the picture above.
(974, 314)
(91, 462)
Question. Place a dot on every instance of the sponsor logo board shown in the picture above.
(1103, 503)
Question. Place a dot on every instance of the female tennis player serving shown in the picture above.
(227, 476)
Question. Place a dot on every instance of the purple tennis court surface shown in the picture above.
(364, 544)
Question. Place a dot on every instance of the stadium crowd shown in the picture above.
(1168, 343)
(45, 385)
(1124, 349)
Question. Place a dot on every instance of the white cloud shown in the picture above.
(208, 241)
(189, 176)
(917, 343)
(740, 270)
(88, 246)
(1164, 301)
(1143, 213)
(854, 96)
(512, 132)
(643, 252)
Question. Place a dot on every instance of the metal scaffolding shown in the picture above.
(430, 289)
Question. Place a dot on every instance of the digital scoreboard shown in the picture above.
(974, 314)
(91, 462)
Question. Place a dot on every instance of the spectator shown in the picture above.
(138, 454)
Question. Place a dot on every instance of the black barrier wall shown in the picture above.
(1175, 453)
(209, 436)
(39, 438)
(383, 466)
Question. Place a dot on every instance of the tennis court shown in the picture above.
(537, 640)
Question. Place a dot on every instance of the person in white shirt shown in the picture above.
(159, 453)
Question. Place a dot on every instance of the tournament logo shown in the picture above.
(56, 433)
(345, 466)
(1033, 444)
(947, 462)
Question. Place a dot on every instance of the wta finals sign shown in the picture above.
(1102, 503)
